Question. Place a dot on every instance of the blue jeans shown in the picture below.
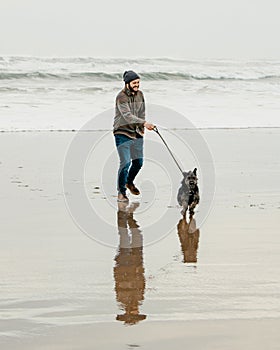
(131, 160)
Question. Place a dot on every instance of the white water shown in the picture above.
(65, 93)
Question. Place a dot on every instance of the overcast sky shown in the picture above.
(141, 28)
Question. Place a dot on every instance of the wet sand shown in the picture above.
(221, 335)
(217, 288)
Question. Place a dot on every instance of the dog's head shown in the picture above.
(190, 178)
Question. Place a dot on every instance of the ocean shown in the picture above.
(38, 93)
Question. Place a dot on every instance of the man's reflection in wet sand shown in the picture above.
(129, 269)
(189, 238)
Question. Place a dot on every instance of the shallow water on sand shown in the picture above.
(54, 274)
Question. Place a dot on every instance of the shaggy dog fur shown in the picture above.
(188, 194)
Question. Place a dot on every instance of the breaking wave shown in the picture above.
(151, 76)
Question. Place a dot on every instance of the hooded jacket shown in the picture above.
(129, 114)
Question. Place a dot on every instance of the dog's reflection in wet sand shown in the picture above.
(129, 268)
(189, 239)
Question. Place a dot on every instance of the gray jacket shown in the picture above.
(129, 114)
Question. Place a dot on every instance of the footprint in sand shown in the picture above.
(16, 182)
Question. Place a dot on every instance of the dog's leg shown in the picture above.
(185, 208)
(191, 209)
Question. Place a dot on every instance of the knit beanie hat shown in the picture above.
(129, 75)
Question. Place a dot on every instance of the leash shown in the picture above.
(156, 130)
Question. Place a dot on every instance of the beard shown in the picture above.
(131, 89)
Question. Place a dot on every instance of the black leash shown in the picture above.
(156, 130)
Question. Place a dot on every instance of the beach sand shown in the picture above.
(198, 335)
(60, 289)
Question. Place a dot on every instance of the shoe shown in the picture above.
(134, 190)
(122, 197)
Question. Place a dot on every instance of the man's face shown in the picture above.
(134, 85)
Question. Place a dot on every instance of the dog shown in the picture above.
(188, 193)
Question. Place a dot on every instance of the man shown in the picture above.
(129, 125)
